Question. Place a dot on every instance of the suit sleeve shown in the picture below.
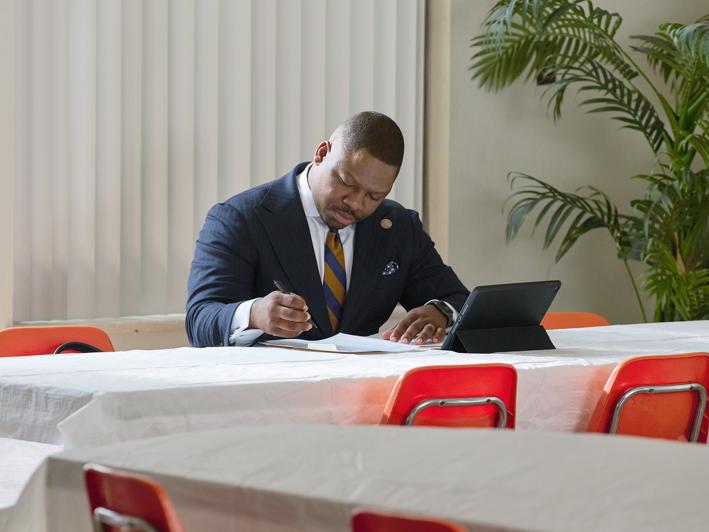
(428, 277)
(221, 276)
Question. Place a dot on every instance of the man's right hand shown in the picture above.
(279, 314)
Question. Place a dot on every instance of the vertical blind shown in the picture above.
(135, 116)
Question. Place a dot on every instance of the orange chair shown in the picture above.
(657, 397)
(375, 521)
(126, 501)
(19, 341)
(572, 320)
(454, 396)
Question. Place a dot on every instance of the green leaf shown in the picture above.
(574, 232)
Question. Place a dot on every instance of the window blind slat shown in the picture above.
(154, 171)
(131, 156)
(235, 99)
(108, 158)
(40, 164)
(181, 143)
(337, 58)
(407, 108)
(313, 93)
(288, 85)
(362, 56)
(263, 91)
(58, 149)
(22, 270)
(384, 37)
(81, 276)
(206, 106)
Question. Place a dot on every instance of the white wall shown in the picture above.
(493, 134)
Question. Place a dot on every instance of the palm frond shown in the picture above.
(587, 209)
(608, 94)
(680, 54)
(528, 36)
(572, 43)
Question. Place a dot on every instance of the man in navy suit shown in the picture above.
(326, 224)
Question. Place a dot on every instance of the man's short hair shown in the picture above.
(374, 132)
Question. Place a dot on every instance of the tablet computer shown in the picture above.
(504, 315)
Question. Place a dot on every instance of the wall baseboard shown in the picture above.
(155, 332)
(135, 332)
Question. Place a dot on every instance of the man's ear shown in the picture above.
(321, 151)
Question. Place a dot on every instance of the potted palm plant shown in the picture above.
(571, 44)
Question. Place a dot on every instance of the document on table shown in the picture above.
(348, 343)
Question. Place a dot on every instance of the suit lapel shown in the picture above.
(284, 221)
(370, 254)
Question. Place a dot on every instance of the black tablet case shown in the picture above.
(504, 317)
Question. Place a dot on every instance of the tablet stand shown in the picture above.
(527, 338)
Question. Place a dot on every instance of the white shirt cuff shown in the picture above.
(241, 335)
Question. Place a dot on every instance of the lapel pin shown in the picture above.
(385, 223)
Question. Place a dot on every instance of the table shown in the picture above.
(284, 478)
(91, 399)
(18, 460)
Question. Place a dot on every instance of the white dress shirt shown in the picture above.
(241, 334)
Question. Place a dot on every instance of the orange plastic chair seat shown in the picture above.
(21, 341)
(572, 320)
(375, 521)
(662, 415)
(437, 382)
(130, 495)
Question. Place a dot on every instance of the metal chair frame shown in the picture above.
(105, 517)
(669, 388)
(461, 401)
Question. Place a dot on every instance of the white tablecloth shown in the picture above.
(285, 478)
(18, 460)
(88, 399)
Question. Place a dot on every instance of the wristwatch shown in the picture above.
(444, 309)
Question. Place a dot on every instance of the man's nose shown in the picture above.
(355, 202)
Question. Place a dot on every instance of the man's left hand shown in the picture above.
(419, 325)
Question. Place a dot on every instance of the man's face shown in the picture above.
(348, 187)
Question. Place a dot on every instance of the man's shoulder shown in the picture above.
(278, 190)
(249, 199)
(396, 212)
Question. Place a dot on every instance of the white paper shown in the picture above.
(348, 343)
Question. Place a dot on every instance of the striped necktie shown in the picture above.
(335, 278)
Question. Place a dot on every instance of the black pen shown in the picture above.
(282, 288)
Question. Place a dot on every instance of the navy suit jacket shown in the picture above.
(262, 234)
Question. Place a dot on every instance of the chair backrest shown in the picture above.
(377, 521)
(18, 341)
(454, 396)
(572, 320)
(656, 396)
(135, 502)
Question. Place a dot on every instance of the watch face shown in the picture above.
(443, 308)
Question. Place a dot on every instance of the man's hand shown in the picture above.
(419, 324)
(280, 314)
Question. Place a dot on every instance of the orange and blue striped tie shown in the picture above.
(335, 278)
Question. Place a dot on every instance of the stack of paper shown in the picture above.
(347, 343)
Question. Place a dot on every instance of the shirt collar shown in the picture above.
(306, 195)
